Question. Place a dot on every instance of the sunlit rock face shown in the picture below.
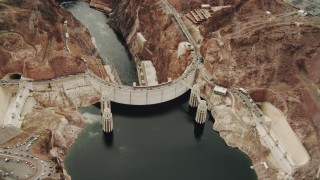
(32, 40)
(275, 55)
(160, 31)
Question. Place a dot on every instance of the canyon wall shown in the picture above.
(160, 31)
(32, 41)
(274, 56)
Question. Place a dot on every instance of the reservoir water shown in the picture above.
(154, 142)
(151, 142)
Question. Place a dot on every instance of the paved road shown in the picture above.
(196, 61)
(273, 144)
(12, 167)
(183, 27)
(23, 163)
(247, 100)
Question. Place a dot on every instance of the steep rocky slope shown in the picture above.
(59, 129)
(32, 41)
(158, 28)
(32, 44)
(274, 56)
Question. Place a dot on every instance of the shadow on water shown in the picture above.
(147, 110)
(162, 143)
(198, 130)
(108, 139)
(98, 105)
(122, 40)
(158, 109)
(148, 142)
(211, 118)
(192, 113)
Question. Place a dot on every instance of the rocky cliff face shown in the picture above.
(236, 133)
(59, 129)
(32, 44)
(158, 28)
(56, 96)
(32, 41)
(276, 58)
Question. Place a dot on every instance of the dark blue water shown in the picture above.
(149, 142)
(154, 142)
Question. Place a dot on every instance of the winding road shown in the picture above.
(24, 165)
(183, 27)
(176, 85)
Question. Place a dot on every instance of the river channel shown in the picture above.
(110, 45)
(155, 142)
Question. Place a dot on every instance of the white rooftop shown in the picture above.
(220, 89)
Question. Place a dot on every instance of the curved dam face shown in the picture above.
(130, 95)
(155, 142)
(5, 96)
(140, 95)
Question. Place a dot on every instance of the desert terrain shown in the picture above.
(264, 46)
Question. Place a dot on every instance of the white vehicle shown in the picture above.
(28, 146)
(243, 90)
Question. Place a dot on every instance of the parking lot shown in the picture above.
(16, 162)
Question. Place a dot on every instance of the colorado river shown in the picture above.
(109, 45)
(149, 142)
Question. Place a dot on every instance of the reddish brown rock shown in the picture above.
(31, 42)
(158, 28)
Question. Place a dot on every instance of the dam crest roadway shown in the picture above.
(147, 95)
(131, 95)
